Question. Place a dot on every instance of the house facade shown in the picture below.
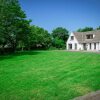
(89, 41)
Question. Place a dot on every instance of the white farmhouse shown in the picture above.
(84, 41)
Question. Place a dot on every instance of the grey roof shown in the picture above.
(81, 36)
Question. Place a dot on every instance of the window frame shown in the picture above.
(72, 38)
(89, 36)
(94, 46)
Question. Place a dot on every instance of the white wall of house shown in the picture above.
(99, 46)
(73, 42)
(80, 46)
(93, 47)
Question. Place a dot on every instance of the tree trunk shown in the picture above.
(13, 47)
(2, 51)
(22, 48)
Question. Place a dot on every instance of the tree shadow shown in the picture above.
(9, 56)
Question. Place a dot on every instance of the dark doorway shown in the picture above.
(90, 46)
(69, 46)
(84, 46)
(94, 45)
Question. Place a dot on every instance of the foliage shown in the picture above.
(39, 38)
(23, 35)
(61, 33)
(48, 75)
(85, 29)
(13, 24)
(15, 30)
(58, 43)
(98, 28)
(17, 34)
(60, 36)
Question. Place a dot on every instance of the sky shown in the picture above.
(69, 14)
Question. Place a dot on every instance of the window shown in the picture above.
(89, 36)
(72, 37)
(90, 45)
(94, 45)
(69, 46)
(75, 46)
(84, 46)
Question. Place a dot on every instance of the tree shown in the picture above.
(61, 33)
(85, 29)
(12, 23)
(58, 43)
(98, 28)
(39, 38)
(23, 35)
(60, 36)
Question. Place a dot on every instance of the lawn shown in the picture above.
(48, 75)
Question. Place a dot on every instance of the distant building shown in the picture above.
(84, 41)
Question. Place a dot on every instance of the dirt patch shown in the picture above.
(90, 96)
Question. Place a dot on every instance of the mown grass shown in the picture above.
(48, 75)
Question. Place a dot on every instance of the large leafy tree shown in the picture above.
(61, 33)
(13, 24)
(39, 38)
(58, 43)
(22, 36)
(60, 36)
(85, 29)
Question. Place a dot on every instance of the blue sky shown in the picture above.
(70, 14)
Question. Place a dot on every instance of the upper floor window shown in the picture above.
(72, 37)
(89, 36)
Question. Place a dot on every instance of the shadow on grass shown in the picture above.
(9, 56)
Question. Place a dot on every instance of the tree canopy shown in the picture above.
(98, 28)
(16, 32)
(39, 38)
(85, 29)
(61, 33)
(13, 25)
(60, 36)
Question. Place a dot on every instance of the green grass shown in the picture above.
(48, 75)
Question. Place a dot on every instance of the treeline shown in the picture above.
(16, 33)
(87, 29)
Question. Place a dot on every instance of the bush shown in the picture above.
(58, 43)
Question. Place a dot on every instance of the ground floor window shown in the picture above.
(90, 46)
(94, 45)
(75, 46)
(84, 46)
(69, 46)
